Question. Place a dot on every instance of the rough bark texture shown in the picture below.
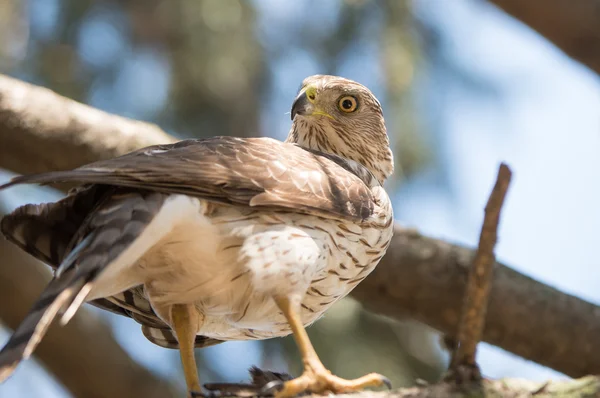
(83, 355)
(420, 277)
(573, 26)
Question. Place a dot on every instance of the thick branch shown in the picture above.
(420, 277)
(424, 278)
(573, 26)
(41, 131)
(586, 387)
(80, 352)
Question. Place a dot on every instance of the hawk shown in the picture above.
(217, 239)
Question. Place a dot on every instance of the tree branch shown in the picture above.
(420, 277)
(573, 26)
(476, 298)
(586, 387)
(43, 131)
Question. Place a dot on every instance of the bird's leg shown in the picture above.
(185, 321)
(316, 378)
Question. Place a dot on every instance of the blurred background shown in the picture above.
(463, 87)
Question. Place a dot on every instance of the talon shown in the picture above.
(387, 382)
(271, 388)
(212, 386)
(197, 394)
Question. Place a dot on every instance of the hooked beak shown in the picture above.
(304, 105)
(301, 105)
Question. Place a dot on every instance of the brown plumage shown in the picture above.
(241, 171)
(223, 238)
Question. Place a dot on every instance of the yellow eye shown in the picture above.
(347, 104)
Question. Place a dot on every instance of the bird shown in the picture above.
(209, 240)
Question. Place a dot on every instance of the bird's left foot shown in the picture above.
(260, 380)
(319, 380)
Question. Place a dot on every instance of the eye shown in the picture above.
(347, 104)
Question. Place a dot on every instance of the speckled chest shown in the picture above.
(354, 251)
(351, 251)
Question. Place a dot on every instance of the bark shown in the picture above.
(43, 131)
(420, 277)
(573, 26)
(587, 387)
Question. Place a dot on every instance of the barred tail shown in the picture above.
(57, 296)
(164, 337)
(113, 226)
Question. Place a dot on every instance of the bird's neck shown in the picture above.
(377, 160)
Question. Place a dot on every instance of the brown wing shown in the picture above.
(250, 171)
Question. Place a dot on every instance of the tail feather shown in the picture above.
(105, 234)
(134, 304)
(79, 236)
(76, 303)
(46, 230)
(30, 332)
(165, 338)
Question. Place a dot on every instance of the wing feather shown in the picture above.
(243, 171)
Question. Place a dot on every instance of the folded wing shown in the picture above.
(251, 171)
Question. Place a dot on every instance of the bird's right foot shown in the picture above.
(322, 381)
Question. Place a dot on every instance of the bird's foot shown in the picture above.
(319, 380)
(260, 379)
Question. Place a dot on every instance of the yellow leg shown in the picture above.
(316, 378)
(185, 322)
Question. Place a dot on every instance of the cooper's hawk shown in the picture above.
(222, 238)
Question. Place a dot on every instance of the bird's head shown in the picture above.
(336, 115)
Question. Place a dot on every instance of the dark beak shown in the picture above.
(300, 105)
